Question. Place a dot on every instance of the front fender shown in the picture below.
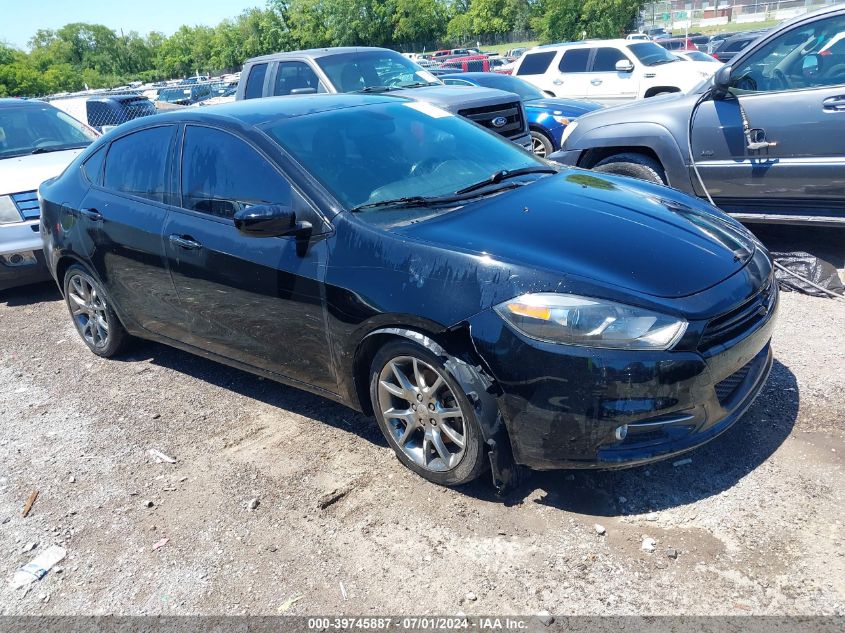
(628, 137)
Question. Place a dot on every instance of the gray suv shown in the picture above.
(766, 133)
(380, 70)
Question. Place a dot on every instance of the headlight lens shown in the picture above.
(567, 131)
(8, 211)
(574, 320)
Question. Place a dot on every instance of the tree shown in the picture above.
(418, 21)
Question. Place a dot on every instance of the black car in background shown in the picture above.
(394, 257)
(730, 47)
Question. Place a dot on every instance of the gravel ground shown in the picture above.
(756, 518)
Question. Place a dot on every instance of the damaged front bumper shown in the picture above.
(575, 407)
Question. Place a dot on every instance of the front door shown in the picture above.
(791, 92)
(608, 85)
(257, 300)
(120, 223)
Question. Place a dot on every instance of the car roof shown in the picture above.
(255, 112)
(8, 102)
(316, 53)
(591, 42)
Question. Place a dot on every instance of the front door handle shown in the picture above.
(185, 241)
(596, 82)
(834, 104)
(91, 214)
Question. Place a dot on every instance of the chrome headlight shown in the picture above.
(574, 320)
(567, 131)
(8, 211)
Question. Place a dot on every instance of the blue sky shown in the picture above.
(21, 18)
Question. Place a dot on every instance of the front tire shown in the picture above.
(541, 144)
(92, 314)
(634, 165)
(425, 415)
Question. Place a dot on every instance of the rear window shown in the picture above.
(535, 63)
(738, 45)
(255, 82)
(575, 61)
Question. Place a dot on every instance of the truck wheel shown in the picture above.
(634, 165)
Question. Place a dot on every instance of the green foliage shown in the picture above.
(79, 55)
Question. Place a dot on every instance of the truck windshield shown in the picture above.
(651, 54)
(351, 72)
(29, 129)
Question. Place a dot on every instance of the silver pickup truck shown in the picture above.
(380, 70)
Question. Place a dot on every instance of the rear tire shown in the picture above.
(433, 428)
(634, 165)
(92, 314)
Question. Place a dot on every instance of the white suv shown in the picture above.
(37, 141)
(606, 71)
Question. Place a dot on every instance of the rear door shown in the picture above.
(573, 73)
(606, 84)
(256, 300)
(121, 220)
(792, 91)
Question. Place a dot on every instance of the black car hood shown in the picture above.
(612, 230)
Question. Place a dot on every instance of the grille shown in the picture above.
(27, 204)
(741, 319)
(726, 389)
(485, 116)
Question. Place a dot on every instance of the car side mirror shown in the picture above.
(722, 81)
(270, 220)
(624, 66)
(303, 91)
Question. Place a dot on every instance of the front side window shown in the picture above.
(40, 129)
(255, 82)
(807, 56)
(606, 58)
(535, 63)
(385, 151)
(222, 174)
(575, 61)
(296, 78)
(350, 72)
(137, 163)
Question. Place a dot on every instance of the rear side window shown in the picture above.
(137, 164)
(93, 167)
(574, 61)
(255, 82)
(535, 63)
(296, 78)
(605, 60)
(222, 174)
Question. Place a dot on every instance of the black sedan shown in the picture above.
(486, 307)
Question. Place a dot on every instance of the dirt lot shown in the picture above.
(756, 518)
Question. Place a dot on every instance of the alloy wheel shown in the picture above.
(89, 311)
(422, 413)
(538, 147)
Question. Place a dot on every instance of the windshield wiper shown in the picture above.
(665, 61)
(418, 84)
(377, 89)
(408, 201)
(47, 150)
(504, 174)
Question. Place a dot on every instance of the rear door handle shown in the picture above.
(596, 82)
(91, 214)
(834, 104)
(185, 241)
(558, 82)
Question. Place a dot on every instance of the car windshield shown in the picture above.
(509, 84)
(388, 151)
(651, 54)
(35, 129)
(373, 70)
